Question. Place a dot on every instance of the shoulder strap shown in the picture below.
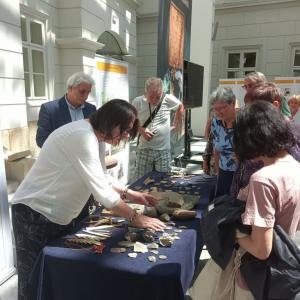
(153, 114)
(151, 117)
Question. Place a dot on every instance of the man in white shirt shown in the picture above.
(153, 150)
(68, 169)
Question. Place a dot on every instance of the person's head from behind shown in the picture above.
(223, 102)
(114, 121)
(294, 103)
(253, 79)
(260, 131)
(79, 86)
(268, 92)
(153, 90)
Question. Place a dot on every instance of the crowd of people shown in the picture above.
(248, 149)
(256, 153)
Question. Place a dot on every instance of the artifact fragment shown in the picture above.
(98, 248)
(183, 214)
(118, 250)
(164, 217)
(132, 255)
(126, 244)
(152, 258)
(140, 247)
(166, 241)
(163, 257)
(153, 246)
(154, 251)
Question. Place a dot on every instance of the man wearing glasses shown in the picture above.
(154, 108)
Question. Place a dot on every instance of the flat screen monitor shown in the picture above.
(192, 84)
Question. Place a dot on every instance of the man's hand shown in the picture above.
(146, 133)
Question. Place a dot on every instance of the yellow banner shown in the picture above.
(102, 66)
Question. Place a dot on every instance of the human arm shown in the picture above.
(259, 242)
(216, 156)
(44, 126)
(141, 221)
(178, 116)
(135, 196)
(260, 213)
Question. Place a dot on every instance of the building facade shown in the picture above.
(256, 35)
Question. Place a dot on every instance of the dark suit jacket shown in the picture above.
(55, 114)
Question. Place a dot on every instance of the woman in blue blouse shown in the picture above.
(223, 103)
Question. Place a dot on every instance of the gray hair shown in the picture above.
(78, 78)
(256, 77)
(153, 83)
(224, 94)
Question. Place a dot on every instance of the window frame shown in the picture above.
(293, 67)
(29, 17)
(240, 70)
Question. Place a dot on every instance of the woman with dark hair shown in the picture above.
(69, 168)
(271, 93)
(262, 133)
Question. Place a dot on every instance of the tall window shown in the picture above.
(239, 63)
(33, 57)
(296, 62)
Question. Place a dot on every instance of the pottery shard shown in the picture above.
(118, 250)
(152, 258)
(140, 247)
(182, 214)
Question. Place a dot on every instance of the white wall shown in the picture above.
(12, 96)
(147, 34)
(273, 28)
(201, 48)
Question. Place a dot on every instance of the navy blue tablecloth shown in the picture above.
(62, 273)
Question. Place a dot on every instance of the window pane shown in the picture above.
(23, 29)
(36, 33)
(39, 85)
(296, 73)
(297, 58)
(25, 59)
(233, 74)
(27, 84)
(249, 60)
(37, 61)
(233, 60)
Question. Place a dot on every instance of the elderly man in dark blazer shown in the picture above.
(71, 107)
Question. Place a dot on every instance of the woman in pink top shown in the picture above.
(262, 133)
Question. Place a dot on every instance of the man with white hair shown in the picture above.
(71, 107)
(154, 108)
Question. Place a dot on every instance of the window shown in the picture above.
(33, 57)
(239, 63)
(296, 62)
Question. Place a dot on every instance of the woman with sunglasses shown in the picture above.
(69, 168)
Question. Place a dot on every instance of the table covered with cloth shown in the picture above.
(63, 273)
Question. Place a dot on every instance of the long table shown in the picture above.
(62, 273)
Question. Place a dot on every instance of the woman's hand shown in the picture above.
(142, 221)
(142, 198)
